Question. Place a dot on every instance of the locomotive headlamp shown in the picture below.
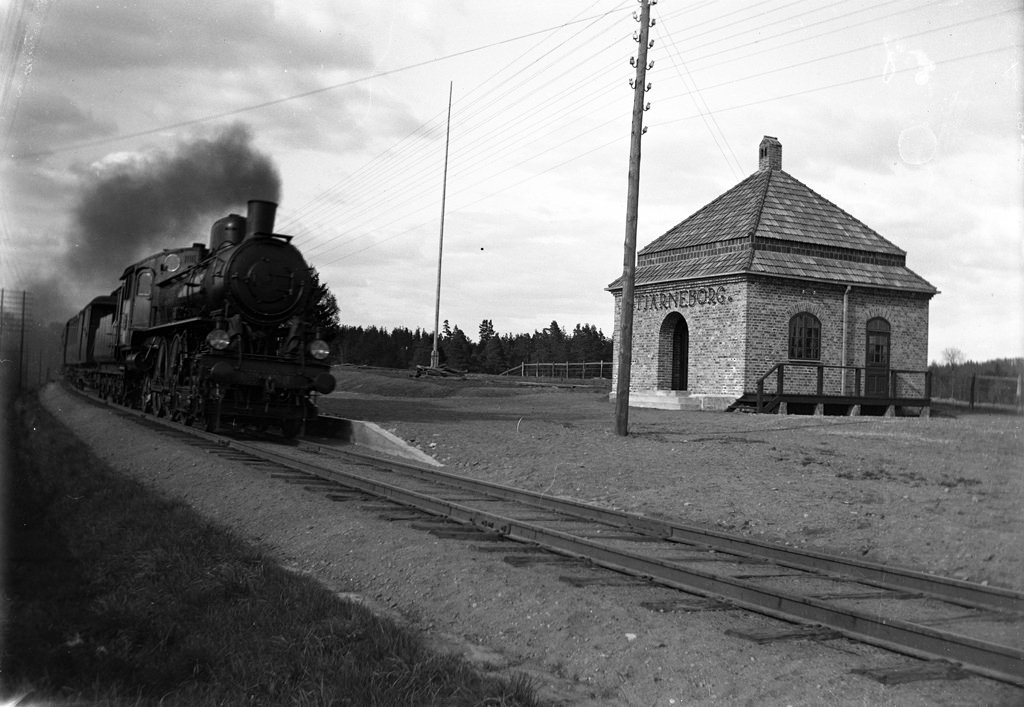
(319, 349)
(218, 339)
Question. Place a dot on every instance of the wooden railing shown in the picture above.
(900, 384)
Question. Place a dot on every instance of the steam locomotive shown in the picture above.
(218, 333)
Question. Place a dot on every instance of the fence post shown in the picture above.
(974, 381)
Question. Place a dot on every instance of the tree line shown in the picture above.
(955, 362)
(491, 352)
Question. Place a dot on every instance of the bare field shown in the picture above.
(942, 494)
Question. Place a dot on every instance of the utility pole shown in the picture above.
(640, 87)
(434, 356)
(21, 347)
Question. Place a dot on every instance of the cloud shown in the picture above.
(46, 119)
(227, 34)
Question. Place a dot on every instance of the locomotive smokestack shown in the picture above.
(260, 220)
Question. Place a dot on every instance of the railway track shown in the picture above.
(959, 625)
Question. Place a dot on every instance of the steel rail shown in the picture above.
(984, 658)
(945, 588)
(998, 662)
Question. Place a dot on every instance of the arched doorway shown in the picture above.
(675, 336)
(876, 358)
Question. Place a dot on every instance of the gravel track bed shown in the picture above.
(940, 495)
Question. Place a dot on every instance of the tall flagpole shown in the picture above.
(440, 240)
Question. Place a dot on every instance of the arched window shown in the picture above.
(143, 294)
(876, 358)
(805, 337)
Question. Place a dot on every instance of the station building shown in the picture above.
(774, 298)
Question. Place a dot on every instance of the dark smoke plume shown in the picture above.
(167, 200)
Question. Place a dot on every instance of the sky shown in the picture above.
(129, 127)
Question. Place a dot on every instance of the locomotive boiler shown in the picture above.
(219, 332)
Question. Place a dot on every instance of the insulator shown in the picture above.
(651, 64)
(632, 83)
(648, 87)
(636, 36)
(653, 22)
(632, 61)
(644, 131)
(648, 106)
(650, 44)
(636, 16)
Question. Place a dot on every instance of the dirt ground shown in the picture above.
(942, 495)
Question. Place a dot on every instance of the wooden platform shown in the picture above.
(811, 404)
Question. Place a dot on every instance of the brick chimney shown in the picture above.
(769, 154)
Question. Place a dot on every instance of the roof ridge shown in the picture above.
(757, 216)
(706, 207)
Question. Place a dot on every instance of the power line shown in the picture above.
(355, 227)
(707, 116)
(305, 94)
(747, 104)
(465, 107)
(835, 55)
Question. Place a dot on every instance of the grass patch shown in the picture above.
(119, 597)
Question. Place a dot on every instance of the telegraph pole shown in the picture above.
(640, 87)
(440, 241)
(21, 347)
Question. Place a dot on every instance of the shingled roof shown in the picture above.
(774, 225)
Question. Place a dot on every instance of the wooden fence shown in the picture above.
(567, 369)
(973, 389)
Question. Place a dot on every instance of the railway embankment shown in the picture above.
(939, 495)
(118, 594)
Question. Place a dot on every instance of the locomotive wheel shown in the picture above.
(176, 378)
(147, 395)
(162, 375)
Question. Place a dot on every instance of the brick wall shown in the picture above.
(739, 329)
(715, 313)
(907, 315)
(775, 302)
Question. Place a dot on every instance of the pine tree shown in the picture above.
(458, 349)
(325, 308)
(486, 331)
(493, 357)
